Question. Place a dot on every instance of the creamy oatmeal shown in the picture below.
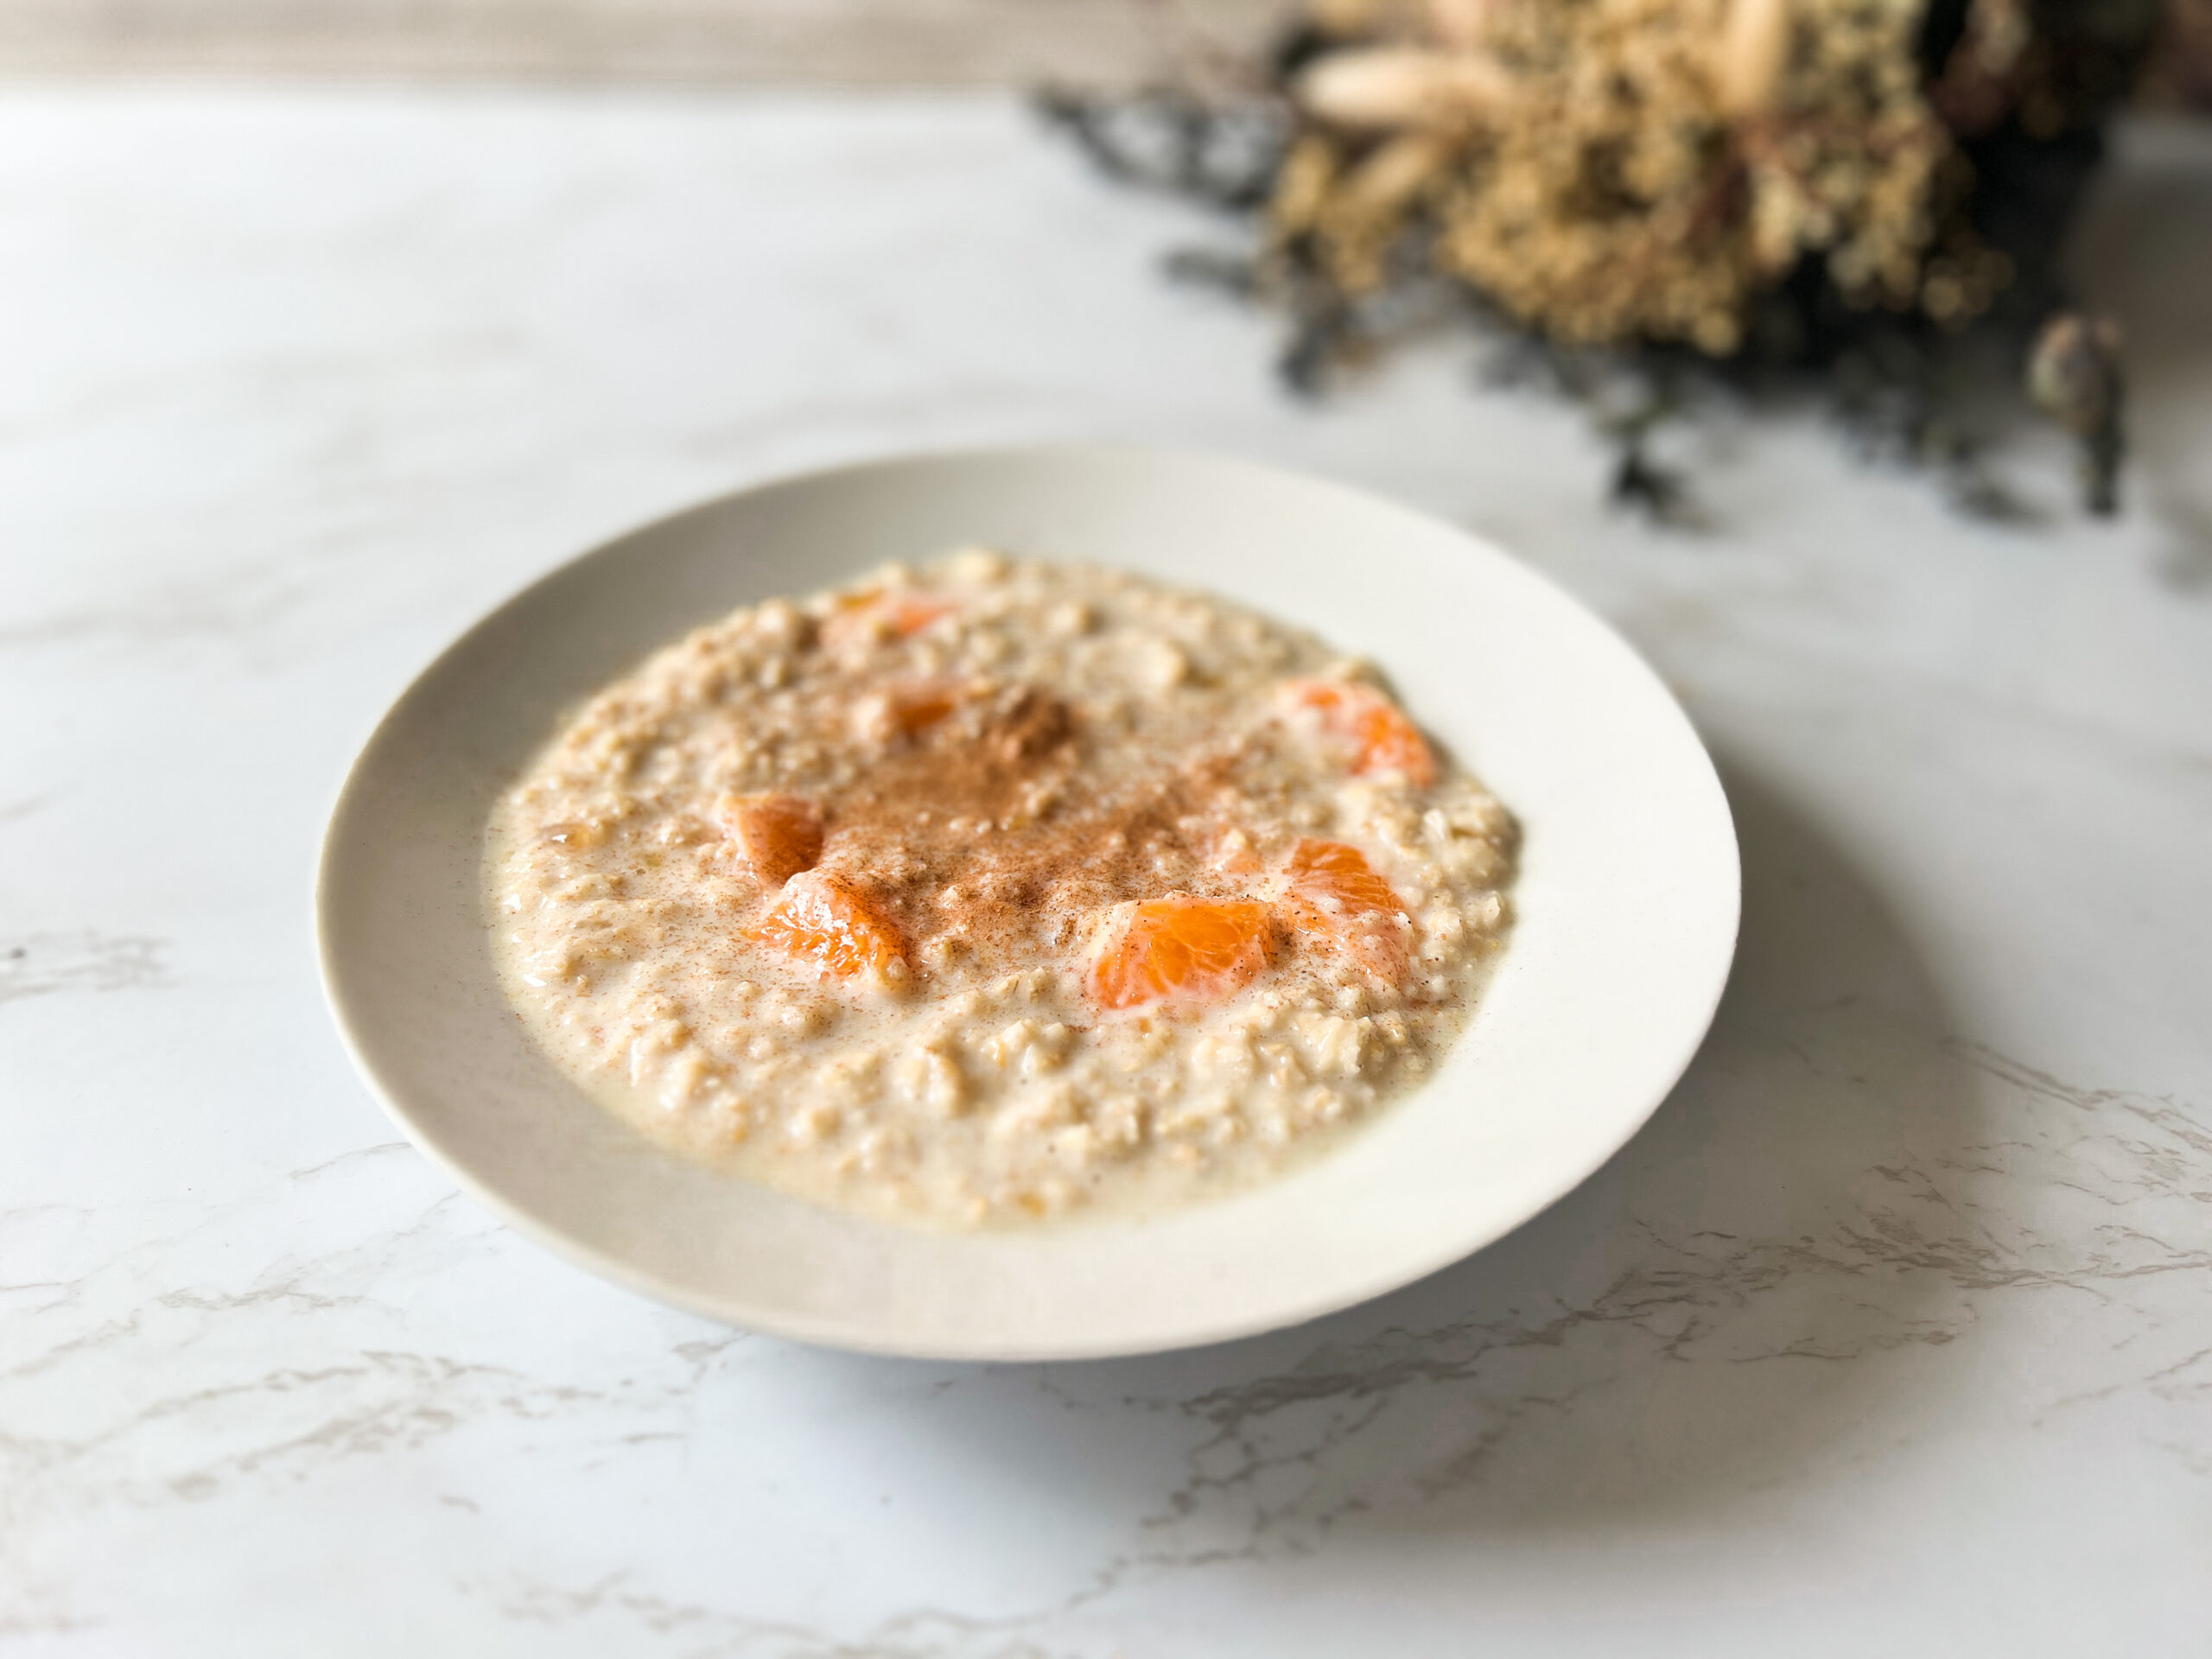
(997, 889)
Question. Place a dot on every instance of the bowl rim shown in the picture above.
(836, 1333)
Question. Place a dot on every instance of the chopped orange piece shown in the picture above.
(918, 705)
(1378, 738)
(875, 612)
(836, 923)
(910, 614)
(779, 835)
(1336, 874)
(1181, 947)
(1333, 894)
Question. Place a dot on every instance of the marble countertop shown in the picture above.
(1893, 1331)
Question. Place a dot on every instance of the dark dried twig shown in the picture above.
(1224, 155)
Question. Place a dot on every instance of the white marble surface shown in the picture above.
(1893, 1333)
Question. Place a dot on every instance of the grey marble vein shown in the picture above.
(46, 964)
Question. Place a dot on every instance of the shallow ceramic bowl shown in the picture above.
(1626, 902)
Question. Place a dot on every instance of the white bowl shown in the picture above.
(1627, 906)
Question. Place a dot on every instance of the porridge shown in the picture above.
(994, 890)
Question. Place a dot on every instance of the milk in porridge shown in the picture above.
(997, 890)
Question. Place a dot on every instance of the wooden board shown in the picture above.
(864, 42)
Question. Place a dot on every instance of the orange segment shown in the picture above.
(1334, 895)
(1337, 874)
(874, 614)
(910, 614)
(1378, 738)
(919, 706)
(779, 835)
(1180, 947)
(908, 707)
(835, 923)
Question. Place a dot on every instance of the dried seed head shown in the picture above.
(1397, 171)
(1754, 52)
(2073, 370)
(1462, 23)
(2074, 373)
(1343, 18)
(1391, 87)
(1302, 187)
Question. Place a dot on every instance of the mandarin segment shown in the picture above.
(877, 613)
(778, 835)
(1180, 948)
(911, 706)
(1335, 873)
(837, 925)
(1378, 740)
(908, 615)
(1333, 894)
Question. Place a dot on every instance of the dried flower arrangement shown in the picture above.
(1661, 194)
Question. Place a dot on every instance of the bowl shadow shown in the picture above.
(1755, 1284)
